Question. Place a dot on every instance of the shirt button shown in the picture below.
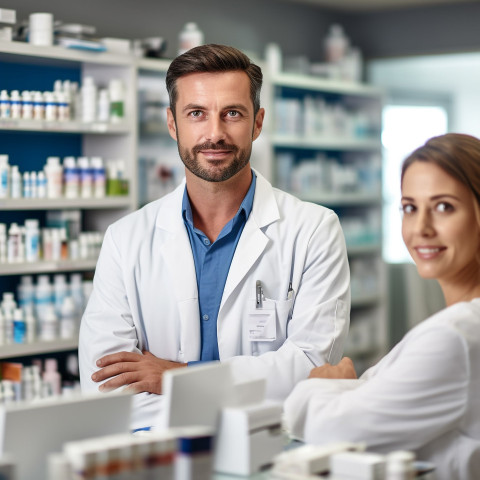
(205, 317)
(206, 241)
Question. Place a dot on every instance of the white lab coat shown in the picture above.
(145, 293)
(423, 396)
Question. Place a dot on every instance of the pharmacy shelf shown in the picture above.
(340, 199)
(64, 127)
(47, 266)
(59, 55)
(37, 348)
(306, 82)
(343, 144)
(119, 202)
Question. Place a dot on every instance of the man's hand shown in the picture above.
(140, 372)
(344, 369)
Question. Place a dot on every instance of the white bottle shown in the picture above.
(89, 100)
(60, 290)
(27, 186)
(15, 105)
(68, 318)
(50, 107)
(43, 297)
(19, 326)
(336, 44)
(14, 243)
(41, 185)
(86, 177)
(54, 173)
(33, 185)
(8, 319)
(71, 177)
(27, 105)
(4, 177)
(190, 36)
(2, 329)
(76, 291)
(103, 106)
(32, 240)
(26, 292)
(16, 183)
(99, 177)
(38, 106)
(5, 105)
(3, 243)
(117, 100)
(49, 324)
(51, 375)
(31, 325)
(63, 107)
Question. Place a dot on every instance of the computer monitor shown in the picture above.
(29, 432)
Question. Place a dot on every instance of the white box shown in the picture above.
(358, 466)
(6, 34)
(248, 438)
(117, 45)
(8, 16)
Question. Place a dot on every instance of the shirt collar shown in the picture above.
(246, 205)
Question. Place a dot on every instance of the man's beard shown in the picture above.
(190, 160)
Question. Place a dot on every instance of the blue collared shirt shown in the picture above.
(212, 263)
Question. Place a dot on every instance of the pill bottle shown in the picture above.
(103, 105)
(50, 107)
(15, 105)
(19, 327)
(32, 240)
(117, 100)
(99, 177)
(86, 177)
(41, 185)
(14, 241)
(190, 36)
(38, 106)
(5, 105)
(89, 100)
(54, 173)
(71, 177)
(27, 105)
(336, 44)
(4, 177)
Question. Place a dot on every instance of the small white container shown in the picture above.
(32, 240)
(54, 173)
(5, 105)
(4, 177)
(15, 105)
(190, 36)
(41, 29)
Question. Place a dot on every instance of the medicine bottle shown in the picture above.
(117, 100)
(54, 173)
(190, 36)
(15, 182)
(26, 292)
(41, 185)
(15, 105)
(50, 107)
(4, 177)
(68, 318)
(5, 106)
(63, 107)
(336, 44)
(89, 100)
(400, 465)
(33, 185)
(3, 243)
(14, 243)
(71, 177)
(103, 105)
(51, 375)
(43, 296)
(27, 186)
(19, 327)
(86, 177)
(99, 177)
(27, 105)
(32, 240)
(38, 106)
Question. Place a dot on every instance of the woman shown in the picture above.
(424, 395)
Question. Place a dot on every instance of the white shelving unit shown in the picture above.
(107, 140)
(300, 136)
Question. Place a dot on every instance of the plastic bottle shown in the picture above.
(32, 240)
(2, 329)
(41, 185)
(27, 105)
(4, 177)
(27, 186)
(8, 303)
(43, 297)
(63, 107)
(33, 185)
(5, 105)
(14, 243)
(86, 177)
(26, 292)
(68, 318)
(3, 243)
(60, 289)
(49, 324)
(31, 325)
(15, 105)
(54, 173)
(71, 177)
(76, 291)
(50, 107)
(38, 106)
(400, 465)
(103, 105)
(19, 327)
(8, 320)
(99, 177)
(336, 44)
(89, 100)
(16, 183)
(51, 375)
(117, 100)
(190, 36)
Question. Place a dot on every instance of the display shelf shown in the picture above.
(343, 144)
(47, 266)
(340, 199)
(37, 348)
(58, 55)
(64, 127)
(311, 83)
(119, 202)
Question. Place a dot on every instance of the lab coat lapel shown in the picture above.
(253, 240)
(178, 258)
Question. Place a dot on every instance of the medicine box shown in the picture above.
(8, 16)
(358, 466)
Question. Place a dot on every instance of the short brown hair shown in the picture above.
(455, 153)
(213, 58)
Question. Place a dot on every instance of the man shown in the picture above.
(224, 268)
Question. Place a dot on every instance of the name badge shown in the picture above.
(262, 325)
